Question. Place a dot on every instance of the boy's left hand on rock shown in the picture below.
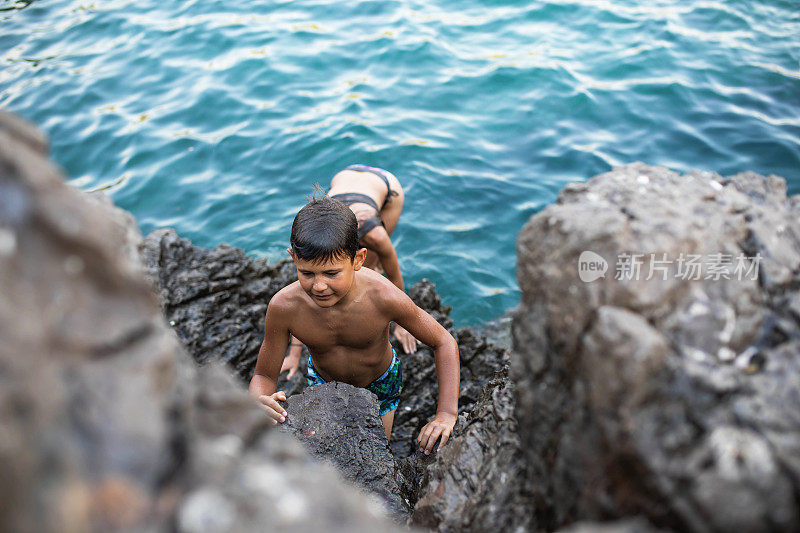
(441, 426)
(406, 339)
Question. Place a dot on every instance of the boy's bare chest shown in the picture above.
(358, 328)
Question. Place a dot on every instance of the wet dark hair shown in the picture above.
(323, 230)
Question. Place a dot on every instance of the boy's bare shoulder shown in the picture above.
(383, 292)
(287, 298)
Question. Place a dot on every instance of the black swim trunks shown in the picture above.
(365, 226)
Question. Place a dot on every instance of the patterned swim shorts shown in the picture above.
(387, 387)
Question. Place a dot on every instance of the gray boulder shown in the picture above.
(339, 423)
(673, 397)
(105, 423)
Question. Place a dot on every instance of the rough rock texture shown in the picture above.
(671, 398)
(105, 423)
(340, 423)
(239, 477)
(479, 481)
(480, 359)
(628, 525)
(214, 299)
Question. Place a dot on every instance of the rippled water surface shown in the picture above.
(216, 118)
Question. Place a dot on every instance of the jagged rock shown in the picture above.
(243, 478)
(480, 359)
(479, 481)
(105, 423)
(628, 525)
(670, 398)
(214, 299)
(340, 423)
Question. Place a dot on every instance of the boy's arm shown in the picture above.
(270, 356)
(448, 369)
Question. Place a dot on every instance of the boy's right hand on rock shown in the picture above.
(270, 405)
(441, 426)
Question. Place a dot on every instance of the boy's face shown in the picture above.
(327, 283)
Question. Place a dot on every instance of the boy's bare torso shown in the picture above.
(349, 342)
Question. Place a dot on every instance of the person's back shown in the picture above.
(342, 313)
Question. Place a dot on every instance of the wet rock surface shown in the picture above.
(479, 480)
(105, 423)
(214, 299)
(673, 398)
(339, 423)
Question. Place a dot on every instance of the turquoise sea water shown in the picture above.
(217, 117)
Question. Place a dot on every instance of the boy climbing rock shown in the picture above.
(342, 312)
(376, 197)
